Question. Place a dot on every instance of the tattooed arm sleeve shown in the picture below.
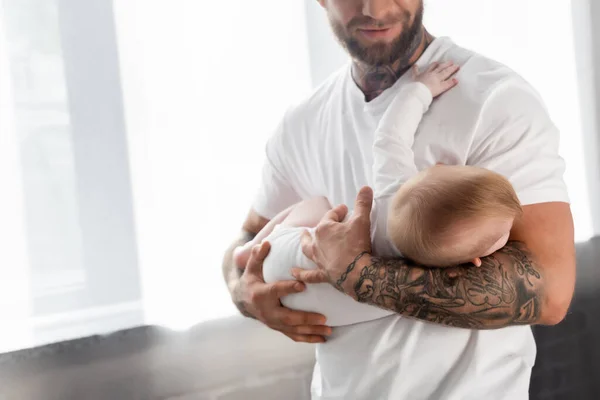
(506, 290)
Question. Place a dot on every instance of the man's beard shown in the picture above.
(401, 47)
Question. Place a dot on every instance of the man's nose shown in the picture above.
(378, 9)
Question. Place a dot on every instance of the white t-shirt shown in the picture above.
(324, 147)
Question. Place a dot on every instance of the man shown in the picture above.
(494, 120)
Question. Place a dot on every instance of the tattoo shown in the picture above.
(241, 306)
(344, 276)
(506, 290)
(375, 79)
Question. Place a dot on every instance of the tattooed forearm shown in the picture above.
(506, 290)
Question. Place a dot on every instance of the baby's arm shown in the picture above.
(392, 148)
(306, 213)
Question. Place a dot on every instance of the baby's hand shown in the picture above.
(438, 77)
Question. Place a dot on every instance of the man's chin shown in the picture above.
(372, 51)
(373, 57)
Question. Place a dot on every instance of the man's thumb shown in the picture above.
(364, 202)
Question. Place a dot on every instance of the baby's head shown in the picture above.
(450, 215)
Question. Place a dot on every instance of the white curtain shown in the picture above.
(204, 85)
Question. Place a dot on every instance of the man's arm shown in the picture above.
(512, 287)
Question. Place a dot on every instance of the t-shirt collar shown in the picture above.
(379, 104)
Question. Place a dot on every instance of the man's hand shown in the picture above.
(260, 300)
(336, 244)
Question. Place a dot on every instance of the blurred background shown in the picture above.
(131, 141)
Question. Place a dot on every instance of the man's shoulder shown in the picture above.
(487, 89)
(481, 76)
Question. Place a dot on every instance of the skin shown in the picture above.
(537, 265)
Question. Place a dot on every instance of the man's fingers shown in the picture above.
(257, 256)
(310, 276)
(320, 330)
(305, 338)
(284, 288)
(336, 214)
(364, 203)
(288, 318)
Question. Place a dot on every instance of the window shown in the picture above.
(71, 267)
(204, 85)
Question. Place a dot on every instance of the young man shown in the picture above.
(493, 120)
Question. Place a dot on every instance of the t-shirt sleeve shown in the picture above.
(517, 139)
(275, 192)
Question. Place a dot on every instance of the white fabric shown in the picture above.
(338, 308)
(324, 147)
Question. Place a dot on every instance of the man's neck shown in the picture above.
(375, 79)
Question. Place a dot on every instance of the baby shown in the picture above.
(443, 216)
